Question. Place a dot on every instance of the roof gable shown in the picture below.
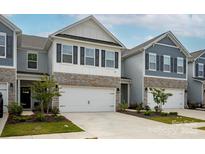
(167, 41)
(91, 28)
(9, 24)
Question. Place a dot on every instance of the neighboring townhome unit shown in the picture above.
(85, 59)
(196, 78)
(8, 49)
(158, 63)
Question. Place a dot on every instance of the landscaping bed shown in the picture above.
(168, 118)
(35, 125)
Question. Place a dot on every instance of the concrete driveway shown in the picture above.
(117, 125)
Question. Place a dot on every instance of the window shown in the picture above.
(32, 61)
(2, 45)
(167, 67)
(67, 54)
(152, 61)
(109, 59)
(200, 70)
(89, 56)
(180, 65)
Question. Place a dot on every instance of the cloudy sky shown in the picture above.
(129, 29)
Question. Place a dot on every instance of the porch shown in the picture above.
(125, 90)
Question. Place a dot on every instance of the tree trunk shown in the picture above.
(42, 108)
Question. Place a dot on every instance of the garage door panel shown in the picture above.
(3, 90)
(78, 99)
(174, 101)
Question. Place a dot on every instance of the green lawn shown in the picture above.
(176, 119)
(202, 128)
(36, 128)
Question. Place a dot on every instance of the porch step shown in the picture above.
(27, 113)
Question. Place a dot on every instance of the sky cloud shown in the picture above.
(181, 25)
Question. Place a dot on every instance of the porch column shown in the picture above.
(19, 91)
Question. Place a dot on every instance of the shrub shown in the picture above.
(123, 106)
(40, 117)
(147, 113)
(173, 113)
(147, 108)
(164, 114)
(15, 109)
(157, 109)
(55, 111)
(139, 107)
(20, 118)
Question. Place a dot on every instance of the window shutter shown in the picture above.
(184, 66)
(82, 55)
(9, 46)
(172, 64)
(75, 55)
(175, 65)
(162, 63)
(204, 71)
(116, 59)
(58, 52)
(103, 58)
(158, 63)
(96, 57)
(196, 69)
(146, 61)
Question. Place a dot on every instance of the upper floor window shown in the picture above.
(167, 64)
(89, 56)
(2, 45)
(180, 65)
(110, 59)
(32, 61)
(200, 70)
(152, 61)
(67, 54)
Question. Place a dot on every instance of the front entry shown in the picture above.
(26, 97)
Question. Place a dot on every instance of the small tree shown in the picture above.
(159, 96)
(44, 91)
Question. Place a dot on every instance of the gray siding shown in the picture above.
(164, 50)
(133, 69)
(8, 61)
(199, 60)
(167, 41)
(22, 61)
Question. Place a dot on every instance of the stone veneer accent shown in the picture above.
(164, 83)
(8, 75)
(87, 80)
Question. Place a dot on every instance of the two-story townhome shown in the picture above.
(84, 58)
(196, 78)
(158, 63)
(8, 50)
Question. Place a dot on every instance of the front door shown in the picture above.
(26, 97)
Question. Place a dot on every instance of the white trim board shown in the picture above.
(164, 77)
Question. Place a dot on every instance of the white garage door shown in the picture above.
(174, 101)
(3, 90)
(84, 99)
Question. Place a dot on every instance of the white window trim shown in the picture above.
(202, 70)
(167, 56)
(66, 54)
(4, 34)
(32, 52)
(109, 59)
(153, 54)
(89, 56)
(180, 58)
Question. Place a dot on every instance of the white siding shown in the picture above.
(83, 69)
(133, 69)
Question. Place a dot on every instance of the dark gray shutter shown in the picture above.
(116, 59)
(196, 69)
(75, 55)
(184, 66)
(96, 57)
(204, 71)
(158, 63)
(9, 46)
(172, 64)
(82, 55)
(162, 63)
(58, 52)
(175, 65)
(146, 61)
(103, 58)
